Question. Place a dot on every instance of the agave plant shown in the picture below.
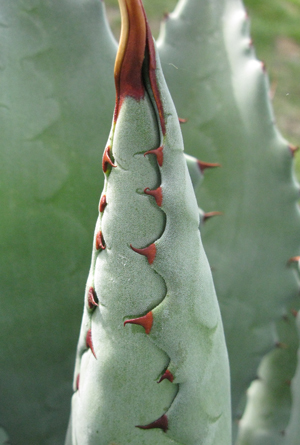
(255, 189)
(51, 109)
(59, 95)
(169, 377)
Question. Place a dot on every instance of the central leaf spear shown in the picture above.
(152, 365)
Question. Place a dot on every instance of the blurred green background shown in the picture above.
(275, 29)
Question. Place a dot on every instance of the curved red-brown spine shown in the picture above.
(146, 321)
(204, 165)
(208, 215)
(161, 423)
(182, 120)
(106, 160)
(149, 252)
(167, 375)
(92, 298)
(102, 203)
(100, 244)
(157, 194)
(158, 152)
(89, 343)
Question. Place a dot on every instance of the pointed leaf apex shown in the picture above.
(131, 52)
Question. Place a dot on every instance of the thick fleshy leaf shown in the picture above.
(269, 400)
(56, 95)
(152, 366)
(272, 411)
(222, 90)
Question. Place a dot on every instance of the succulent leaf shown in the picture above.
(205, 48)
(52, 105)
(269, 398)
(292, 432)
(161, 365)
(53, 115)
(271, 406)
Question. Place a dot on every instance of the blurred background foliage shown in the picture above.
(275, 29)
